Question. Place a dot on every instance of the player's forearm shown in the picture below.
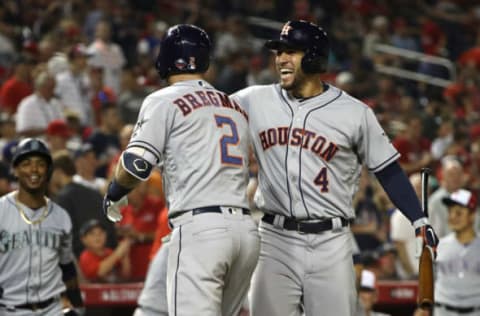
(400, 191)
(124, 178)
(70, 279)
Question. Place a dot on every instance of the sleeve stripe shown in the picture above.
(385, 163)
(146, 146)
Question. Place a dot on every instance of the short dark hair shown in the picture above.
(64, 162)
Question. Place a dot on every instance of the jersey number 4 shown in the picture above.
(322, 180)
(227, 140)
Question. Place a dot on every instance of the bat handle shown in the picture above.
(425, 174)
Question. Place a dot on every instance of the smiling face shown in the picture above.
(460, 218)
(289, 66)
(95, 239)
(32, 174)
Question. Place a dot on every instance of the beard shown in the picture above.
(33, 190)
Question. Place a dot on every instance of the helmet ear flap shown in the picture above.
(312, 63)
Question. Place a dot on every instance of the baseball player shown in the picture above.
(311, 140)
(457, 284)
(35, 241)
(201, 137)
(152, 300)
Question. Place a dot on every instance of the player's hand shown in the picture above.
(426, 236)
(112, 209)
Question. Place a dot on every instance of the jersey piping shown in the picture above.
(301, 150)
(279, 90)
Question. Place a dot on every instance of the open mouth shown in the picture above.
(286, 73)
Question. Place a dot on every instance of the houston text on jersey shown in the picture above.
(318, 144)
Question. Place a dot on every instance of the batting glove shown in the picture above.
(425, 236)
(112, 209)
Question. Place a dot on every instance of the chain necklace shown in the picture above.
(24, 216)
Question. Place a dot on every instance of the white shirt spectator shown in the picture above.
(72, 92)
(34, 112)
(110, 58)
(98, 184)
(401, 230)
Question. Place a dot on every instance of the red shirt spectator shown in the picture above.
(18, 86)
(413, 147)
(90, 263)
(140, 223)
(99, 263)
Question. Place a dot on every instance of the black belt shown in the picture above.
(460, 310)
(304, 227)
(210, 209)
(32, 306)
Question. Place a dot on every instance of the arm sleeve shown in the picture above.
(400, 191)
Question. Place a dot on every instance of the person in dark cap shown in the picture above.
(98, 262)
(81, 203)
(86, 163)
(457, 284)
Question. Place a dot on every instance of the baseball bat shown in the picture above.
(425, 298)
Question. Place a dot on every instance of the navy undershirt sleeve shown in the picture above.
(400, 191)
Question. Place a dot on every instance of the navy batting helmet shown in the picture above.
(307, 37)
(185, 48)
(31, 146)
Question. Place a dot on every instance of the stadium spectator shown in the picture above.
(18, 86)
(452, 179)
(57, 135)
(368, 293)
(72, 85)
(80, 202)
(86, 163)
(140, 224)
(413, 147)
(402, 235)
(107, 55)
(99, 263)
(40, 108)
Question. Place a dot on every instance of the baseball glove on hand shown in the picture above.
(112, 209)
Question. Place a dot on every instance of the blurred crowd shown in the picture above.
(75, 73)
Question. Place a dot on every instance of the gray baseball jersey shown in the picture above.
(458, 272)
(31, 253)
(310, 154)
(310, 151)
(201, 137)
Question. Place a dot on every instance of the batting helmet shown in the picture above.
(31, 146)
(307, 37)
(185, 48)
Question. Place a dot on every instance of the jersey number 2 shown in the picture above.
(228, 140)
(322, 180)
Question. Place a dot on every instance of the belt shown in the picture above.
(211, 209)
(32, 306)
(460, 310)
(304, 227)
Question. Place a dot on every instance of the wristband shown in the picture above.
(116, 191)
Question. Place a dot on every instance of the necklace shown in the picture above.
(26, 219)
